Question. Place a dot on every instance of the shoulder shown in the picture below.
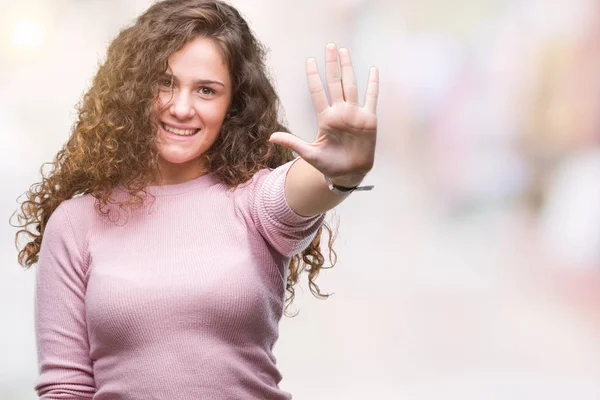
(72, 220)
(255, 181)
(79, 209)
(264, 192)
(267, 175)
(245, 194)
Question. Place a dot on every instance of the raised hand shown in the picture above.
(344, 148)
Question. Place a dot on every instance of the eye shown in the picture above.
(205, 90)
(166, 82)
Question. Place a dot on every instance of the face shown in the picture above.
(193, 99)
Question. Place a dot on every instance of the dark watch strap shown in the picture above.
(345, 190)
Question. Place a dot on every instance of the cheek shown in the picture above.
(160, 105)
(214, 112)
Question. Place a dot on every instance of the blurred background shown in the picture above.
(472, 271)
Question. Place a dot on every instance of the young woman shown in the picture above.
(176, 216)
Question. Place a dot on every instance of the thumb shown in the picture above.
(302, 148)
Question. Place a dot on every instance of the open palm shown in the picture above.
(344, 148)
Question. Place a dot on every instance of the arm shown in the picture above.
(261, 203)
(307, 192)
(344, 149)
(65, 366)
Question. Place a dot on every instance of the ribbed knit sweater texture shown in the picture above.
(180, 299)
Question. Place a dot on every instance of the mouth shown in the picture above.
(177, 131)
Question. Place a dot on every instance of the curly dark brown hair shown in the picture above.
(110, 145)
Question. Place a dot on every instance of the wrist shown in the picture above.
(348, 182)
(353, 185)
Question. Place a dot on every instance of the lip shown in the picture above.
(173, 136)
(179, 126)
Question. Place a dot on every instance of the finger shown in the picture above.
(372, 91)
(332, 74)
(315, 86)
(302, 148)
(348, 78)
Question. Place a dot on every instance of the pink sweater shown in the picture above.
(179, 300)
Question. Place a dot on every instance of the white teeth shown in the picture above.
(182, 132)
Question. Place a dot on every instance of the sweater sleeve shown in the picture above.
(65, 366)
(268, 209)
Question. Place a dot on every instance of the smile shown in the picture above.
(179, 132)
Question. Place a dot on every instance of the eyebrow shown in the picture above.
(197, 82)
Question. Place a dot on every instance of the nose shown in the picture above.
(181, 106)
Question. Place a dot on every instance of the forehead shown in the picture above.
(199, 58)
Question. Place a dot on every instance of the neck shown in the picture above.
(171, 173)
